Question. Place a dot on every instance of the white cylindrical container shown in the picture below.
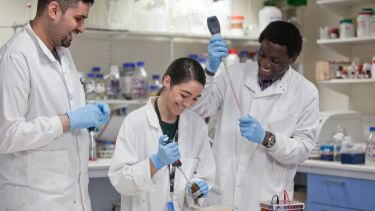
(232, 57)
(364, 23)
(268, 14)
(222, 10)
(346, 28)
(236, 25)
(373, 67)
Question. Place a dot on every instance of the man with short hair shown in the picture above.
(257, 153)
(44, 141)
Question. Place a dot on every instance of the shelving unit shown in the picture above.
(347, 81)
(342, 7)
(353, 40)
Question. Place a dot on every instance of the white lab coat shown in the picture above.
(138, 140)
(40, 167)
(248, 173)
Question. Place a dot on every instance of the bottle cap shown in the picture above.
(140, 63)
(155, 77)
(372, 128)
(232, 51)
(96, 69)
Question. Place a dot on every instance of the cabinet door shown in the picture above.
(341, 191)
(322, 207)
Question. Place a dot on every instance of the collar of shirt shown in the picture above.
(266, 83)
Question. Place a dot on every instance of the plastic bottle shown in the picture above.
(222, 9)
(364, 22)
(113, 83)
(100, 87)
(338, 138)
(232, 57)
(126, 80)
(139, 82)
(370, 146)
(155, 85)
(268, 14)
(90, 86)
(346, 28)
(373, 67)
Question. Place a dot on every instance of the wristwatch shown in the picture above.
(269, 140)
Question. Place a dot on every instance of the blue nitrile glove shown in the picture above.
(106, 111)
(88, 116)
(251, 129)
(167, 153)
(203, 189)
(217, 49)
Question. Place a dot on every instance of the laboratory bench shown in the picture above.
(330, 185)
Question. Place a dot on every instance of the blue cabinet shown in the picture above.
(339, 193)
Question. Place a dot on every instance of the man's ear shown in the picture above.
(293, 59)
(54, 10)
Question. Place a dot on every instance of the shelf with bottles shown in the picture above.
(342, 7)
(347, 81)
(115, 34)
(352, 40)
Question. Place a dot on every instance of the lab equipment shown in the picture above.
(214, 27)
(350, 120)
(139, 82)
(100, 86)
(236, 25)
(281, 205)
(326, 152)
(364, 19)
(329, 120)
(198, 189)
(217, 49)
(352, 153)
(346, 28)
(251, 129)
(268, 14)
(92, 146)
(113, 83)
(370, 146)
(222, 9)
(105, 149)
(232, 57)
(126, 80)
(90, 86)
(167, 153)
(338, 138)
(155, 85)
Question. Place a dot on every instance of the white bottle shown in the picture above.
(139, 82)
(90, 86)
(373, 67)
(100, 87)
(370, 146)
(155, 85)
(232, 57)
(338, 138)
(222, 9)
(113, 82)
(268, 14)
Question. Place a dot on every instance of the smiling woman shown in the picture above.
(144, 168)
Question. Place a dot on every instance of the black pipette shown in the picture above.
(214, 28)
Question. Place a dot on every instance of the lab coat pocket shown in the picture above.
(48, 170)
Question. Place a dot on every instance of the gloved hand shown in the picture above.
(106, 111)
(217, 49)
(91, 115)
(167, 153)
(203, 189)
(251, 129)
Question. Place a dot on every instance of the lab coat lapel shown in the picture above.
(152, 117)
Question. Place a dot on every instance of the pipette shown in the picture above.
(214, 27)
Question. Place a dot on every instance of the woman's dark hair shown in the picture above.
(283, 33)
(185, 69)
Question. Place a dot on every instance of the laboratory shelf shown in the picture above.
(114, 35)
(353, 40)
(344, 2)
(122, 103)
(347, 81)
